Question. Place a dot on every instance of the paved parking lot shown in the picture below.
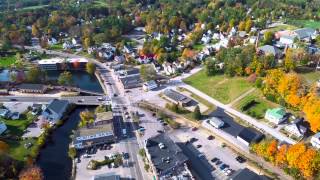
(125, 172)
(210, 149)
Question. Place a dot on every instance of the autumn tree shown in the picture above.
(34, 31)
(280, 158)
(197, 113)
(305, 163)
(65, 78)
(248, 25)
(268, 37)
(91, 68)
(272, 150)
(87, 118)
(294, 154)
(31, 173)
(289, 63)
(148, 72)
(311, 109)
(4, 147)
(242, 26)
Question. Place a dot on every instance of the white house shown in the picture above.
(169, 68)
(150, 85)
(287, 40)
(315, 140)
(67, 45)
(3, 127)
(276, 115)
(215, 122)
(296, 128)
(55, 110)
(52, 41)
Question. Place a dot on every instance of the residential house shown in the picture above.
(3, 127)
(276, 115)
(246, 174)
(55, 110)
(249, 135)
(4, 113)
(32, 88)
(15, 116)
(75, 41)
(169, 68)
(242, 34)
(119, 59)
(252, 39)
(305, 34)
(315, 140)
(67, 45)
(150, 85)
(52, 41)
(287, 41)
(62, 64)
(176, 97)
(297, 128)
(127, 49)
(100, 132)
(268, 49)
(166, 159)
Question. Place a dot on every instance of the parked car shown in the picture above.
(223, 166)
(201, 155)
(194, 129)
(193, 139)
(159, 131)
(218, 162)
(240, 159)
(13, 99)
(210, 137)
(125, 155)
(115, 95)
(199, 146)
(214, 159)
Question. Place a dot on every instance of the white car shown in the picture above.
(227, 171)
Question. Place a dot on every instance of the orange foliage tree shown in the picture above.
(305, 163)
(281, 159)
(31, 173)
(294, 153)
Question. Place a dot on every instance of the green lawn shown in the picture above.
(312, 77)
(198, 47)
(254, 104)
(282, 27)
(17, 148)
(306, 23)
(220, 87)
(56, 47)
(16, 127)
(7, 61)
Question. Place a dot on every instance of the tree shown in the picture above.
(4, 147)
(289, 63)
(87, 42)
(35, 31)
(91, 68)
(147, 72)
(294, 154)
(248, 25)
(100, 109)
(31, 173)
(197, 113)
(281, 159)
(305, 163)
(268, 37)
(272, 150)
(65, 78)
(35, 75)
(87, 117)
(72, 152)
(210, 68)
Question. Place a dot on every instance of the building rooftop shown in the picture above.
(130, 80)
(246, 174)
(304, 32)
(104, 116)
(31, 86)
(268, 49)
(75, 60)
(91, 131)
(58, 106)
(250, 135)
(51, 61)
(106, 176)
(176, 96)
(276, 112)
(167, 157)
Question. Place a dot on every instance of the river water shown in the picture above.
(53, 158)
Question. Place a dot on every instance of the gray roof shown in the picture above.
(246, 174)
(131, 81)
(304, 32)
(176, 96)
(132, 71)
(268, 49)
(106, 177)
(171, 151)
(58, 106)
(32, 86)
(250, 135)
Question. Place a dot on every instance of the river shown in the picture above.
(80, 79)
(53, 158)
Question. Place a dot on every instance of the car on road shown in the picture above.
(125, 155)
(214, 159)
(81, 100)
(193, 139)
(199, 146)
(115, 95)
(101, 98)
(13, 99)
(194, 129)
(127, 91)
(201, 155)
(227, 171)
(160, 131)
(210, 137)
(240, 159)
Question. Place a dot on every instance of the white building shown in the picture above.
(287, 40)
(3, 127)
(215, 122)
(296, 128)
(150, 85)
(315, 140)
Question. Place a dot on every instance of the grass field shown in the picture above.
(254, 104)
(282, 27)
(56, 47)
(312, 77)
(198, 47)
(17, 149)
(7, 61)
(220, 87)
(306, 23)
